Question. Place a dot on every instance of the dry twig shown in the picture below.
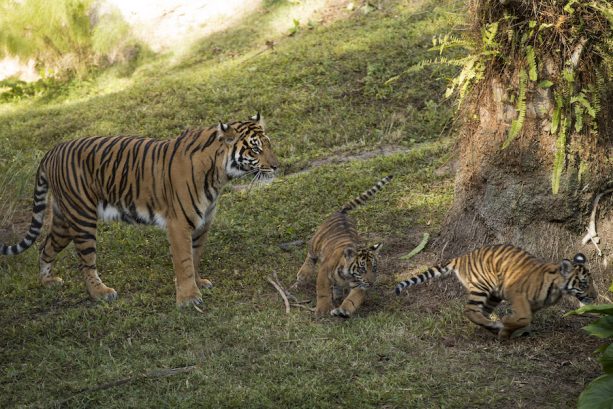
(280, 290)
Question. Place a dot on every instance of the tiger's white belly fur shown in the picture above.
(110, 213)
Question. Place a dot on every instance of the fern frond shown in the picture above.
(518, 123)
(531, 58)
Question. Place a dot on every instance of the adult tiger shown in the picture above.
(173, 184)
(503, 271)
(344, 261)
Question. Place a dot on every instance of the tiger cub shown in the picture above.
(344, 262)
(173, 184)
(504, 272)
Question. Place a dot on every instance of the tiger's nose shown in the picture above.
(273, 167)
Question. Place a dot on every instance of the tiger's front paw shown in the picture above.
(340, 312)
(190, 299)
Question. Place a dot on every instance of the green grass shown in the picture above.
(322, 93)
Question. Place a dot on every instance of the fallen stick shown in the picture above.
(280, 290)
(287, 293)
(306, 307)
(155, 373)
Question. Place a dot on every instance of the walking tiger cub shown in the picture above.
(344, 262)
(173, 184)
(504, 272)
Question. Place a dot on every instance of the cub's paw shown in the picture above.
(323, 310)
(522, 332)
(340, 312)
(203, 283)
(300, 283)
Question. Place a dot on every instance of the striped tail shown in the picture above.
(433, 272)
(366, 195)
(38, 214)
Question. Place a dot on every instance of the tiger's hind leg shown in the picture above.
(521, 317)
(479, 308)
(57, 239)
(84, 238)
(350, 304)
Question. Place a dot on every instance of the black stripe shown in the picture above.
(89, 250)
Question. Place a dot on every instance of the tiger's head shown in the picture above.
(359, 267)
(250, 151)
(577, 280)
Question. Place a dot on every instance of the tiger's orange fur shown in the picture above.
(173, 184)
(504, 272)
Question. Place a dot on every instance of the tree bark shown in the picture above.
(505, 195)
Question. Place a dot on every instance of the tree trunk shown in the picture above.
(505, 195)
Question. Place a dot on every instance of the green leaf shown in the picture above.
(606, 359)
(598, 394)
(518, 123)
(545, 84)
(557, 114)
(602, 327)
(595, 308)
(417, 249)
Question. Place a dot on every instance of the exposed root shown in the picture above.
(592, 235)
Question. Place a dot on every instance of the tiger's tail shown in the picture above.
(38, 215)
(432, 272)
(366, 195)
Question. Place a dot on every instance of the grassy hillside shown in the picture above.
(330, 119)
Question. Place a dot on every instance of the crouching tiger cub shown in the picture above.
(344, 262)
(504, 272)
(173, 184)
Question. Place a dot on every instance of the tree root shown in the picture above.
(592, 235)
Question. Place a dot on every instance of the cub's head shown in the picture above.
(359, 267)
(250, 151)
(577, 279)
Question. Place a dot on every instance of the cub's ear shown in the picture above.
(565, 267)
(579, 259)
(258, 119)
(376, 247)
(225, 133)
(349, 253)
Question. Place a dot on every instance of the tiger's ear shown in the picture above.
(579, 259)
(376, 247)
(225, 133)
(566, 267)
(258, 119)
